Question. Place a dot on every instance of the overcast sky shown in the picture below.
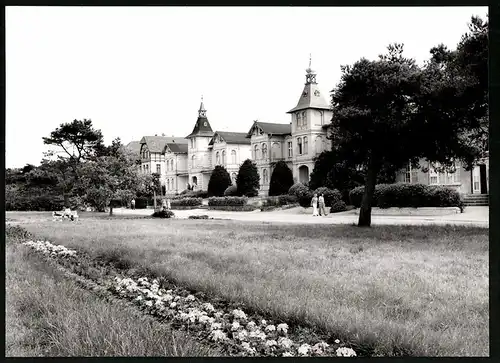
(141, 71)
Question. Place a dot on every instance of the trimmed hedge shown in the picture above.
(186, 202)
(231, 191)
(234, 208)
(332, 196)
(409, 195)
(163, 214)
(338, 206)
(280, 200)
(227, 201)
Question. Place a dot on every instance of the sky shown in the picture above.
(141, 71)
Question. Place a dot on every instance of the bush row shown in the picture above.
(280, 200)
(186, 202)
(409, 195)
(192, 194)
(234, 208)
(34, 203)
(227, 201)
(304, 195)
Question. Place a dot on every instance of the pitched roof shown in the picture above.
(311, 97)
(178, 148)
(232, 137)
(201, 128)
(271, 128)
(156, 144)
(134, 146)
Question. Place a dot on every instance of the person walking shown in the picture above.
(132, 203)
(314, 204)
(321, 205)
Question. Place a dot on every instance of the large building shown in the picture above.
(183, 161)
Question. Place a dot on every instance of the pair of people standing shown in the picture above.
(318, 204)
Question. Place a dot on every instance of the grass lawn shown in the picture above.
(388, 290)
(48, 315)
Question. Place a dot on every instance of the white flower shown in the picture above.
(258, 334)
(242, 335)
(173, 305)
(345, 352)
(138, 298)
(251, 326)
(235, 326)
(167, 297)
(304, 349)
(337, 341)
(218, 314)
(270, 328)
(263, 322)
(183, 316)
(190, 298)
(208, 307)
(239, 314)
(285, 342)
(246, 346)
(217, 335)
(203, 319)
(271, 343)
(318, 348)
(216, 326)
(287, 354)
(149, 303)
(282, 328)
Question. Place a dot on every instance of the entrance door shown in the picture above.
(476, 177)
(482, 173)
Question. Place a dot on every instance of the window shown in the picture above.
(433, 174)
(306, 147)
(172, 183)
(299, 122)
(233, 156)
(304, 119)
(217, 158)
(476, 177)
(223, 157)
(264, 176)
(318, 144)
(193, 143)
(168, 184)
(452, 178)
(147, 168)
(289, 149)
(193, 161)
(172, 164)
(158, 168)
(264, 151)
(299, 145)
(256, 151)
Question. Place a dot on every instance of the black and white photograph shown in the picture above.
(280, 181)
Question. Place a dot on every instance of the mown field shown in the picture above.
(49, 315)
(420, 291)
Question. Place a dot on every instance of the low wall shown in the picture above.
(424, 211)
(234, 208)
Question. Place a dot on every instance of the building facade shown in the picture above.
(189, 161)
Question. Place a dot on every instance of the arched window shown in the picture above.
(168, 184)
(172, 183)
(172, 164)
(233, 156)
(223, 157)
(264, 151)
(193, 161)
(256, 151)
(306, 147)
(217, 158)
(276, 151)
(318, 145)
(299, 145)
(264, 176)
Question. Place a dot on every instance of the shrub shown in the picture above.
(331, 196)
(248, 179)
(280, 200)
(219, 181)
(231, 191)
(409, 195)
(198, 217)
(227, 201)
(338, 206)
(141, 202)
(164, 213)
(294, 188)
(281, 179)
(186, 202)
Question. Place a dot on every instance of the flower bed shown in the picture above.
(238, 332)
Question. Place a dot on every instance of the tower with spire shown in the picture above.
(310, 118)
(199, 163)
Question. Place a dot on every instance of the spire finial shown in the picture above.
(309, 60)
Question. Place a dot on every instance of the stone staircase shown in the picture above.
(474, 200)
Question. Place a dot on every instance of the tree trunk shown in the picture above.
(365, 212)
(66, 200)
(110, 210)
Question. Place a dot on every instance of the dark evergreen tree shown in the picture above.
(248, 179)
(281, 179)
(220, 180)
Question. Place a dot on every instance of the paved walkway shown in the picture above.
(473, 216)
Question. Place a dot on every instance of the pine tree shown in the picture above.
(281, 179)
(219, 181)
(248, 179)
